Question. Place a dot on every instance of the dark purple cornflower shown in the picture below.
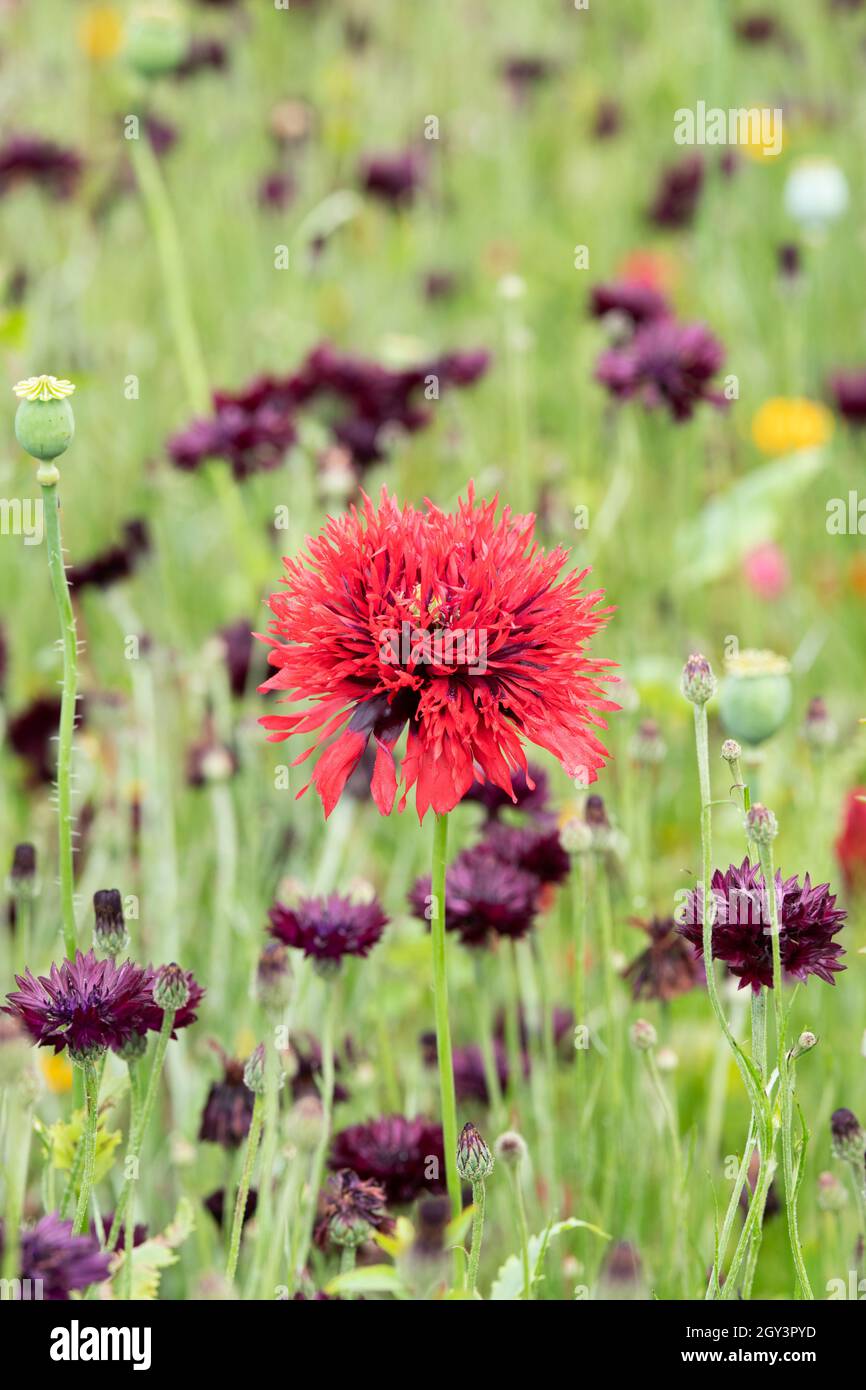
(31, 159)
(350, 1209)
(483, 895)
(666, 363)
(276, 191)
(116, 562)
(758, 28)
(203, 54)
(228, 1109)
(163, 136)
(405, 1157)
(808, 921)
(470, 1080)
(240, 648)
(668, 967)
(56, 1262)
(394, 179)
(630, 300)
(327, 929)
(531, 790)
(252, 430)
(538, 851)
(523, 74)
(85, 1005)
(848, 390)
(677, 195)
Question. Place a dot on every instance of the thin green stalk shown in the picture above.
(785, 1078)
(448, 1100)
(522, 1227)
(487, 1042)
(478, 1203)
(327, 1095)
(18, 1130)
(679, 1218)
(269, 1148)
(68, 699)
(135, 1099)
(253, 1138)
(137, 1132)
(91, 1120)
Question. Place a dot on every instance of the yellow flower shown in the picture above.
(100, 33)
(57, 1072)
(787, 423)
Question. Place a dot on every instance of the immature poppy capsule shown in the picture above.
(755, 697)
(44, 422)
(156, 39)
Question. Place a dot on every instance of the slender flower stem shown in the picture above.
(91, 1120)
(487, 1042)
(327, 1094)
(253, 1138)
(679, 1225)
(19, 1127)
(138, 1131)
(135, 1103)
(269, 1147)
(60, 586)
(448, 1099)
(785, 1076)
(522, 1227)
(478, 1202)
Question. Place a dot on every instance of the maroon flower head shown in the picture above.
(329, 928)
(666, 363)
(638, 303)
(228, 1109)
(115, 563)
(405, 1157)
(677, 196)
(848, 390)
(350, 1209)
(56, 1262)
(31, 159)
(538, 851)
(808, 922)
(85, 1005)
(530, 790)
(484, 896)
(668, 967)
(394, 179)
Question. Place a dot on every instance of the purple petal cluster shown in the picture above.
(31, 159)
(394, 179)
(397, 1153)
(56, 1262)
(85, 1005)
(665, 364)
(329, 928)
(484, 896)
(808, 922)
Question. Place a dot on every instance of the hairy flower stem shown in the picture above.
(327, 1096)
(138, 1130)
(447, 1096)
(91, 1120)
(135, 1103)
(253, 1138)
(478, 1201)
(786, 1079)
(678, 1172)
(68, 699)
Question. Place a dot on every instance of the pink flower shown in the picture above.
(766, 571)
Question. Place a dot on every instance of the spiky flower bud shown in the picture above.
(643, 1035)
(697, 682)
(22, 882)
(474, 1159)
(731, 751)
(819, 730)
(511, 1148)
(156, 39)
(171, 987)
(110, 936)
(761, 825)
(134, 1048)
(848, 1138)
(44, 422)
(832, 1195)
(274, 978)
(254, 1071)
(804, 1043)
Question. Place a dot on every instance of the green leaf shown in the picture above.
(61, 1141)
(509, 1282)
(153, 1256)
(737, 520)
(368, 1279)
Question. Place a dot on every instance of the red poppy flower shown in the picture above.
(450, 624)
(851, 843)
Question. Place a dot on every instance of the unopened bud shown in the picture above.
(697, 682)
(804, 1043)
(254, 1071)
(274, 977)
(110, 936)
(171, 987)
(511, 1148)
(832, 1195)
(643, 1035)
(474, 1159)
(731, 751)
(848, 1138)
(819, 730)
(761, 825)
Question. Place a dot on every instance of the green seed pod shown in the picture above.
(755, 697)
(44, 422)
(156, 39)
